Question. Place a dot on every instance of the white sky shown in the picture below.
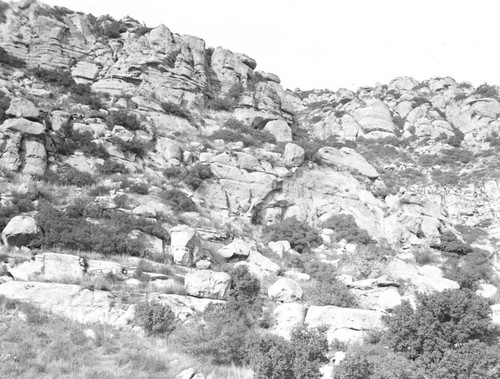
(332, 43)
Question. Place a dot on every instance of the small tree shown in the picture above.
(154, 317)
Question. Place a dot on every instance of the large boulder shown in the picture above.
(285, 290)
(238, 248)
(208, 284)
(287, 316)
(280, 130)
(23, 126)
(293, 155)
(183, 306)
(70, 300)
(23, 108)
(347, 159)
(184, 245)
(20, 230)
(375, 116)
(51, 267)
(345, 324)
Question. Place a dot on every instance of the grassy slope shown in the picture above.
(33, 344)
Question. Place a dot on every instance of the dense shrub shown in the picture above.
(300, 234)
(485, 90)
(59, 78)
(229, 101)
(133, 146)
(367, 261)
(67, 140)
(106, 26)
(442, 321)
(243, 301)
(329, 293)
(237, 131)
(110, 167)
(8, 59)
(4, 105)
(271, 356)
(196, 175)
(123, 118)
(154, 317)
(176, 110)
(69, 176)
(445, 178)
(71, 229)
(470, 270)
(178, 200)
(451, 244)
(345, 227)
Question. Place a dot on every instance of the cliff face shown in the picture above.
(408, 160)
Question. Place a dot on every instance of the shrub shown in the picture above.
(271, 356)
(485, 90)
(243, 299)
(310, 345)
(229, 101)
(176, 110)
(154, 317)
(302, 236)
(445, 178)
(451, 244)
(4, 105)
(69, 176)
(8, 59)
(345, 227)
(178, 200)
(330, 293)
(67, 140)
(59, 78)
(469, 271)
(126, 119)
(133, 146)
(442, 321)
(110, 167)
(196, 175)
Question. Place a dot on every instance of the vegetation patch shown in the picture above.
(300, 234)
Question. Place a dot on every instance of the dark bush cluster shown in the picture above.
(300, 234)
(448, 335)
(229, 101)
(345, 227)
(176, 110)
(123, 118)
(485, 90)
(235, 131)
(67, 140)
(71, 229)
(156, 318)
(110, 167)
(470, 270)
(20, 203)
(69, 176)
(8, 59)
(4, 105)
(451, 244)
(106, 26)
(133, 146)
(178, 200)
(193, 177)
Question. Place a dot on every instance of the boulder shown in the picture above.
(20, 230)
(85, 72)
(285, 290)
(487, 290)
(279, 247)
(70, 300)
(346, 324)
(375, 116)
(35, 156)
(168, 149)
(495, 313)
(207, 284)
(183, 306)
(264, 263)
(149, 245)
(103, 268)
(238, 248)
(380, 299)
(347, 159)
(293, 155)
(145, 211)
(23, 108)
(184, 245)
(280, 130)
(23, 126)
(287, 316)
(121, 133)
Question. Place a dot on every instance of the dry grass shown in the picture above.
(36, 345)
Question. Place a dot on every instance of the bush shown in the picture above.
(271, 356)
(154, 317)
(243, 301)
(451, 244)
(110, 167)
(67, 140)
(229, 101)
(8, 59)
(4, 105)
(126, 119)
(469, 271)
(133, 146)
(196, 175)
(59, 78)
(345, 227)
(69, 176)
(176, 110)
(301, 236)
(442, 321)
(330, 293)
(178, 200)
(485, 90)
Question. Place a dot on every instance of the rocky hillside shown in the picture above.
(137, 164)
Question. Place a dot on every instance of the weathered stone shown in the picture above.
(22, 126)
(293, 155)
(23, 108)
(279, 247)
(183, 306)
(70, 300)
(103, 268)
(122, 133)
(184, 245)
(347, 159)
(145, 211)
(20, 230)
(207, 284)
(285, 290)
(238, 248)
(150, 245)
(287, 317)
(280, 130)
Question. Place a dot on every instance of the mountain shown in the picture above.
(142, 162)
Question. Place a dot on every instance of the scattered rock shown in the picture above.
(20, 231)
(184, 245)
(280, 130)
(293, 155)
(285, 290)
(347, 159)
(238, 248)
(207, 284)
